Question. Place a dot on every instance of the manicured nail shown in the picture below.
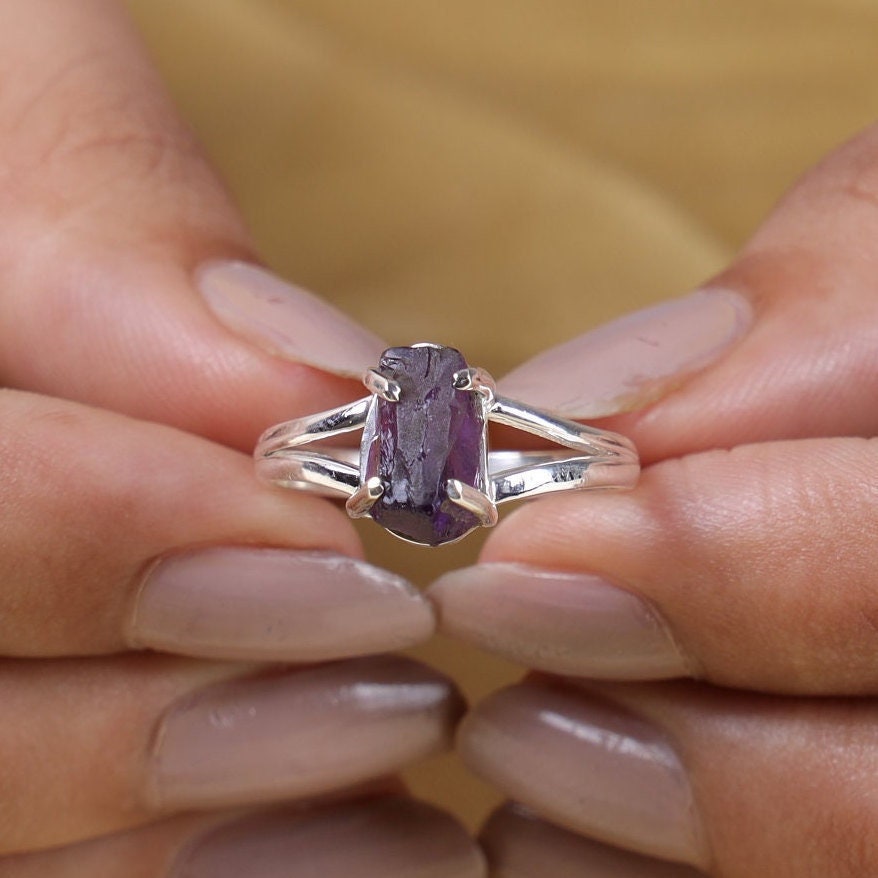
(566, 623)
(377, 838)
(286, 320)
(633, 360)
(275, 605)
(518, 844)
(291, 734)
(587, 765)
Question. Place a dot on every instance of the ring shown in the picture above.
(424, 471)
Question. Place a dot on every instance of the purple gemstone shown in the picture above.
(434, 433)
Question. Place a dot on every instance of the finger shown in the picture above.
(780, 345)
(117, 240)
(734, 784)
(518, 844)
(388, 837)
(752, 568)
(99, 746)
(116, 534)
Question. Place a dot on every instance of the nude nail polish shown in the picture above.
(518, 843)
(275, 605)
(587, 765)
(374, 838)
(565, 623)
(286, 320)
(293, 733)
(634, 360)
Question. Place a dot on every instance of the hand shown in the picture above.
(121, 534)
(745, 560)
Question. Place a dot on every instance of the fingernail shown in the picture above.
(296, 733)
(517, 844)
(587, 765)
(286, 320)
(377, 838)
(633, 360)
(275, 605)
(566, 623)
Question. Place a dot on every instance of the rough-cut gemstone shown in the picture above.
(434, 433)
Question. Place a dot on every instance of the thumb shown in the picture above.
(119, 249)
(781, 345)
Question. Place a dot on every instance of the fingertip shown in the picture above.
(116, 212)
(377, 838)
(518, 844)
(269, 604)
(635, 359)
(558, 621)
(285, 320)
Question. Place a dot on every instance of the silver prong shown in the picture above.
(477, 380)
(364, 498)
(473, 500)
(381, 385)
(464, 379)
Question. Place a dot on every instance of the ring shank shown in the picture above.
(600, 459)
(511, 474)
(329, 475)
(518, 474)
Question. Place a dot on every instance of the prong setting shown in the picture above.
(382, 386)
(473, 500)
(424, 470)
(365, 497)
(476, 380)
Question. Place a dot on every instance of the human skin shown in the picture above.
(177, 637)
(752, 564)
(744, 561)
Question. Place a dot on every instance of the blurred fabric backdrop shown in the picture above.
(502, 174)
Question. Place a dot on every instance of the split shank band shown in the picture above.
(604, 459)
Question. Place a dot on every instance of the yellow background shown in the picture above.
(502, 174)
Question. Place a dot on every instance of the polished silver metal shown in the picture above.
(588, 459)
(365, 497)
(478, 380)
(473, 500)
(324, 425)
(381, 385)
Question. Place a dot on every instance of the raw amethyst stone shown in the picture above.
(434, 433)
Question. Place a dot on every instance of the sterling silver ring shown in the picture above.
(424, 471)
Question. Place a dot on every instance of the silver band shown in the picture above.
(602, 460)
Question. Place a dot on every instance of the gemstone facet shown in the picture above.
(434, 433)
